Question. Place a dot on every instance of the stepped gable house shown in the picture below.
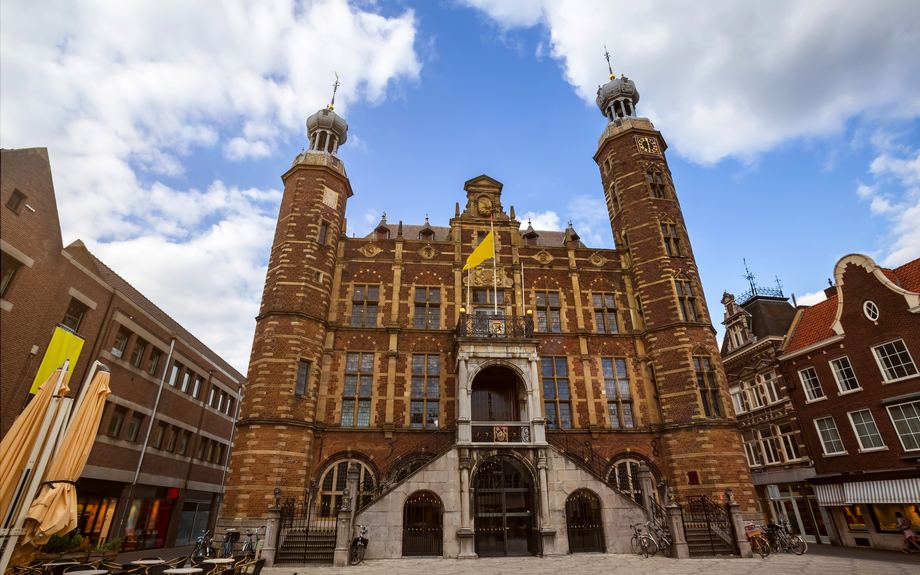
(540, 416)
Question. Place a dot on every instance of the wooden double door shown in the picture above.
(504, 511)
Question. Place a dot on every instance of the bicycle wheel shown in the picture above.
(665, 548)
(775, 543)
(756, 547)
(357, 554)
(652, 547)
(797, 544)
(765, 545)
(635, 546)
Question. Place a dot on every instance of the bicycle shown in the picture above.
(640, 543)
(358, 546)
(203, 545)
(250, 547)
(758, 542)
(781, 540)
(660, 537)
(226, 548)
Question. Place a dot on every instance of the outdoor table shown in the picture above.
(184, 571)
(148, 562)
(91, 572)
(220, 561)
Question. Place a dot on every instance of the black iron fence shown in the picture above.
(406, 461)
(307, 534)
(708, 526)
(501, 433)
(506, 326)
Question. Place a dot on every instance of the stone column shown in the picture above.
(343, 533)
(465, 534)
(676, 528)
(741, 540)
(464, 431)
(645, 485)
(537, 423)
(547, 531)
(272, 526)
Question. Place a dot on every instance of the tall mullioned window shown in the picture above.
(619, 397)
(359, 386)
(686, 300)
(605, 313)
(709, 389)
(656, 185)
(671, 239)
(364, 306)
(556, 398)
(426, 380)
(549, 316)
(427, 308)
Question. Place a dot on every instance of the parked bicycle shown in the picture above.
(781, 540)
(250, 547)
(226, 548)
(661, 537)
(203, 545)
(358, 546)
(641, 543)
(759, 543)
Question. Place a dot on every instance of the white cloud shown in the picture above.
(811, 298)
(122, 93)
(736, 78)
(589, 216)
(547, 221)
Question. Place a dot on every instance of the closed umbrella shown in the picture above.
(16, 447)
(54, 511)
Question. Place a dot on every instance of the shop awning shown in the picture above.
(882, 491)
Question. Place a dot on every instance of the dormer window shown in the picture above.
(531, 240)
(383, 234)
(426, 236)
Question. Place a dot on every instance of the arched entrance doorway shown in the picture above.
(423, 521)
(498, 396)
(584, 523)
(504, 516)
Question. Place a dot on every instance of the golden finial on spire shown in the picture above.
(335, 88)
(609, 69)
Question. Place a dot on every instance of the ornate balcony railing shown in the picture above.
(501, 432)
(503, 326)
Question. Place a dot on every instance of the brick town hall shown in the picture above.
(537, 405)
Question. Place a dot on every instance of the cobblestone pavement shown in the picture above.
(602, 564)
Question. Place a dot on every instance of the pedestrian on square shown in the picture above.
(910, 538)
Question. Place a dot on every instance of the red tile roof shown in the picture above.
(909, 275)
(814, 325)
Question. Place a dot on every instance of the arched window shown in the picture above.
(624, 476)
(333, 482)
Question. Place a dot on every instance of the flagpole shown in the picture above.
(494, 267)
(523, 299)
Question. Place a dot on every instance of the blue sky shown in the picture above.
(794, 128)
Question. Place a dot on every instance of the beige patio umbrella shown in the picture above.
(54, 511)
(16, 447)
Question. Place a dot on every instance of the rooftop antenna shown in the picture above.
(335, 88)
(609, 69)
(779, 286)
(749, 276)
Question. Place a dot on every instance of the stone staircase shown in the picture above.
(702, 544)
(303, 547)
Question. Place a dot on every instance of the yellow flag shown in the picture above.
(485, 251)
(64, 345)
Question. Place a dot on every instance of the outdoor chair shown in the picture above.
(61, 566)
(258, 567)
(196, 560)
(177, 563)
(244, 568)
(157, 569)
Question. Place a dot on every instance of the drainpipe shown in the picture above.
(223, 480)
(140, 462)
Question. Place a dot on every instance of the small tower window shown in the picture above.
(671, 241)
(656, 184)
(709, 389)
(686, 300)
(323, 230)
(17, 199)
(321, 144)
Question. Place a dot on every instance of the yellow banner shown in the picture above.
(485, 251)
(64, 345)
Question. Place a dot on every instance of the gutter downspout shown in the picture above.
(140, 462)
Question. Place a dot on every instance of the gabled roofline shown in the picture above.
(867, 263)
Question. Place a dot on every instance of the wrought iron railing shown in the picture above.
(503, 326)
(399, 466)
(501, 432)
(703, 514)
(659, 515)
(759, 291)
(582, 454)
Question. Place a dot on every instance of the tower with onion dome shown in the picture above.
(274, 439)
(673, 331)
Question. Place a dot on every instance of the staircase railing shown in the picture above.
(582, 454)
(403, 464)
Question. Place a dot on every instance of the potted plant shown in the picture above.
(107, 550)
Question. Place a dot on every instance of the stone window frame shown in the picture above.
(560, 406)
(134, 426)
(752, 448)
(671, 238)
(613, 197)
(764, 445)
(188, 381)
(73, 316)
(10, 267)
(708, 387)
(138, 351)
(360, 366)
(174, 376)
(120, 345)
(886, 367)
(427, 312)
(160, 434)
(365, 297)
(484, 301)
(829, 438)
(618, 403)
(16, 200)
(788, 442)
(184, 442)
(606, 318)
(548, 306)
(910, 422)
(862, 430)
(626, 480)
(810, 384)
(322, 233)
(686, 299)
(657, 185)
(153, 360)
(116, 421)
(198, 386)
(332, 481)
(423, 393)
(303, 376)
(841, 377)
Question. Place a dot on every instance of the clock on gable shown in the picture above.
(648, 145)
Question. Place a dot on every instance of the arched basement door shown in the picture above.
(423, 525)
(505, 521)
(584, 523)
